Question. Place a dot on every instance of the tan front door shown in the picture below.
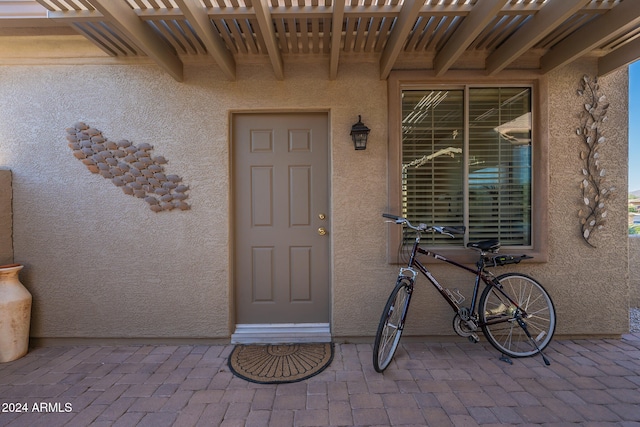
(281, 219)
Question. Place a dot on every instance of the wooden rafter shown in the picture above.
(482, 13)
(592, 35)
(199, 20)
(541, 24)
(265, 23)
(23, 10)
(620, 57)
(398, 37)
(336, 37)
(502, 34)
(125, 19)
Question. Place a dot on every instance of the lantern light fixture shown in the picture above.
(359, 134)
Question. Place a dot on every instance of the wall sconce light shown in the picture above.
(359, 134)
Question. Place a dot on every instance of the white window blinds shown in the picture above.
(466, 160)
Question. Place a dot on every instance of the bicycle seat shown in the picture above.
(485, 245)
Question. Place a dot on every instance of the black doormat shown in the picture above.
(275, 364)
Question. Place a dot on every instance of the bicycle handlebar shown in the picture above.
(449, 231)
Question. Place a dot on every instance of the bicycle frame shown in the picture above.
(478, 272)
(492, 307)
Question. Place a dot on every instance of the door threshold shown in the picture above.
(281, 333)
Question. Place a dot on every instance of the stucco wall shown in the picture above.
(634, 271)
(590, 287)
(6, 218)
(102, 264)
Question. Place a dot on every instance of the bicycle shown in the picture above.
(514, 312)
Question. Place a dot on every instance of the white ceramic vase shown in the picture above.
(15, 314)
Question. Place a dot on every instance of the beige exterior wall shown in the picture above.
(634, 271)
(101, 264)
(589, 286)
(6, 218)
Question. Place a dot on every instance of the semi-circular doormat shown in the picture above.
(284, 363)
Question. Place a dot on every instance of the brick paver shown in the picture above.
(590, 382)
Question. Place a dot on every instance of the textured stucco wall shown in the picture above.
(6, 218)
(590, 287)
(102, 264)
(634, 271)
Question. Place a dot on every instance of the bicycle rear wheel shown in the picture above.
(391, 324)
(497, 315)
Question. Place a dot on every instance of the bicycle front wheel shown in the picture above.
(498, 315)
(391, 325)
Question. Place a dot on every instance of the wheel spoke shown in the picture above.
(390, 327)
(539, 315)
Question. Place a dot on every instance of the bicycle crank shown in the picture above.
(465, 328)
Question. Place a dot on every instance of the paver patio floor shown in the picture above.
(589, 382)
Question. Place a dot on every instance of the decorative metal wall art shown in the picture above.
(595, 191)
(129, 167)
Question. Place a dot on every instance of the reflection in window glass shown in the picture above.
(491, 195)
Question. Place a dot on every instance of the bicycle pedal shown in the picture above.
(474, 338)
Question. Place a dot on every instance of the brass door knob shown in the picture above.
(322, 231)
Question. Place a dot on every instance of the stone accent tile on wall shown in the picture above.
(130, 167)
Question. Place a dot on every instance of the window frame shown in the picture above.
(407, 80)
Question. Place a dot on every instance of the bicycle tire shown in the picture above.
(509, 337)
(391, 324)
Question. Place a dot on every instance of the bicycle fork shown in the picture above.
(410, 279)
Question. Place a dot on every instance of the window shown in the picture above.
(465, 155)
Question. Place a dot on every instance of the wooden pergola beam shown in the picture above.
(620, 57)
(542, 23)
(472, 25)
(336, 37)
(24, 10)
(125, 19)
(615, 22)
(265, 23)
(201, 24)
(398, 37)
(164, 31)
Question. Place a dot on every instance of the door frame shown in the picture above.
(281, 332)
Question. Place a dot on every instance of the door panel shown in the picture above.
(280, 164)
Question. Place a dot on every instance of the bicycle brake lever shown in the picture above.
(441, 231)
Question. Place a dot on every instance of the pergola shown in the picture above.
(438, 35)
